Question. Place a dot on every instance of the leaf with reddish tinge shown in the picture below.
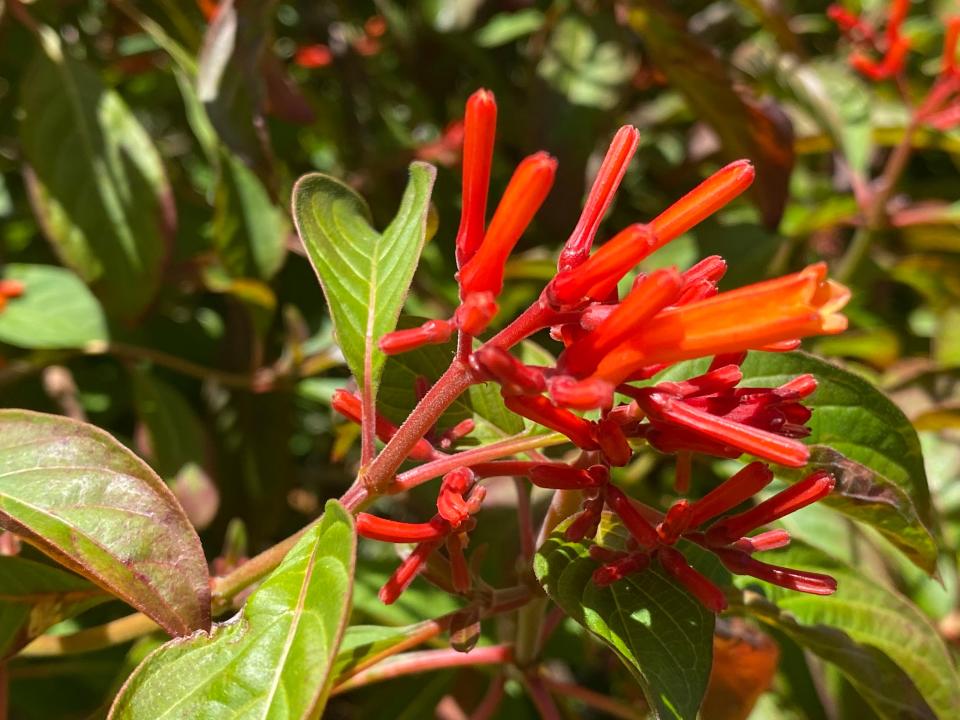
(87, 501)
(747, 127)
(34, 596)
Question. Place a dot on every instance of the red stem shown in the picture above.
(544, 703)
(502, 448)
(524, 520)
(424, 661)
(491, 700)
(594, 699)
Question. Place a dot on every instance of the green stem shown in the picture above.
(112, 633)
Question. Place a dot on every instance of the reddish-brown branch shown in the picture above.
(594, 699)
(424, 661)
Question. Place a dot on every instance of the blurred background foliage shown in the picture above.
(147, 153)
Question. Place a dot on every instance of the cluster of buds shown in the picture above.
(892, 45)
(459, 499)
(725, 538)
(939, 109)
(612, 347)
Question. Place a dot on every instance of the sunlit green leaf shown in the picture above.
(661, 633)
(365, 274)
(275, 658)
(106, 204)
(27, 321)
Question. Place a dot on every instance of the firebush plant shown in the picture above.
(621, 457)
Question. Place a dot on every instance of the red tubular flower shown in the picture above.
(348, 405)
(432, 332)
(898, 13)
(313, 56)
(577, 248)
(564, 477)
(408, 570)
(514, 377)
(525, 193)
(619, 568)
(675, 522)
(641, 530)
(704, 200)
(793, 306)
(539, 409)
(587, 522)
(11, 288)
(613, 443)
(727, 431)
(475, 312)
(843, 18)
(709, 595)
(384, 530)
(740, 563)
(582, 394)
(770, 540)
(647, 299)
(797, 496)
(604, 269)
(740, 487)
(950, 40)
(480, 125)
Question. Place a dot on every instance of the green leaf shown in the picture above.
(34, 596)
(488, 403)
(275, 658)
(364, 645)
(880, 641)
(250, 232)
(27, 321)
(506, 27)
(365, 274)
(861, 437)
(661, 633)
(175, 434)
(92, 505)
(587, 70)
(97, 182)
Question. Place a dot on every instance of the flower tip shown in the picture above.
(482, 99)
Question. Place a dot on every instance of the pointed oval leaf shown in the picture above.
(879, 640)
(27, 321)
(274, 659)
(91, 504)
(659, 631)
(365, 275)
(861, 437)
(34, 596)
(106, 204)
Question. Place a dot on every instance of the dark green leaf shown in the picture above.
(229, 82)
(661, 633)
(105, 204)
(175, 436)
(250, 232)
(880, 641)
(34, 596)
(27, 322)
(863, 439)
(91, 504)
(506, 27)
(275, 658)
(365, 274)
(747, 128)
(587, 70)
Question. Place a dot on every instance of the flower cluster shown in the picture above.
(939, 108)
(612, 346)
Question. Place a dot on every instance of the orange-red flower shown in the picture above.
(752, 317)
